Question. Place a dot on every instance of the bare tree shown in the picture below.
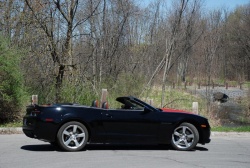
(237, 42)
(178, 34)
(59, 35)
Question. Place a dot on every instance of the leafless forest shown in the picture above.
(73, 48)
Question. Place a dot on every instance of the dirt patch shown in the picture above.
(11, 130)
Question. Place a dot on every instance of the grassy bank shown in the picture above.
(232, 129)
(11, 124)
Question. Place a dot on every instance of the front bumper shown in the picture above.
(205, 136)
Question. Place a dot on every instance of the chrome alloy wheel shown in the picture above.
(73, 136)
(185, 137)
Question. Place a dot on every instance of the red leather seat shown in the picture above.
(95, 103)
(105, 105)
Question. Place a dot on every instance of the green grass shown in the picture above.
(11, 124)
(246, 84)
(232, 129)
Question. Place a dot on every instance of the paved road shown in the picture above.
(224, 151)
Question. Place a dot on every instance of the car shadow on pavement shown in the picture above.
(39, 147)
(92, 147)
(135, 147)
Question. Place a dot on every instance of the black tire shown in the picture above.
(185, 137)
(72, 136)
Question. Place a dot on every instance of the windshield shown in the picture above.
(133, 103)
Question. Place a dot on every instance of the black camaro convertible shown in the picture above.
(72, 126)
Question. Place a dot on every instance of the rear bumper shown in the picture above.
(29, 133)
(38, 129)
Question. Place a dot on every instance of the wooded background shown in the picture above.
(67, 50)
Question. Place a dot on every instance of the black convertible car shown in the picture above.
(72, 126)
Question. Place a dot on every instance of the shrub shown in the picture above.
(12, 92)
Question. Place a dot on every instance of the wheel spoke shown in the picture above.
(177, 133)
(74, 128)
(76, 143)
(191, 136)
(67, 142)
(81, 135)
(186, 143)
(184, 129)
(177, 142)
(65, 132)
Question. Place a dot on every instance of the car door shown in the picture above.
(131, 126)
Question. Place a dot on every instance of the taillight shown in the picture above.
(35, 112)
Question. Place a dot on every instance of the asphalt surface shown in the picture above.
(225, 150)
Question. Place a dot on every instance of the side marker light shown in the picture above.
(48, 119)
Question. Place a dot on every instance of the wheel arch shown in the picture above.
(195, 123)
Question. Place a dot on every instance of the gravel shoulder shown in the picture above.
(11, 130)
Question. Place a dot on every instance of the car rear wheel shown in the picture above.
(185, 137)
(72, 136)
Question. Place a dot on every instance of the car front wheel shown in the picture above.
(72, 136)
(185, 137)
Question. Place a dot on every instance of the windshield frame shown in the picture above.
(135, 103)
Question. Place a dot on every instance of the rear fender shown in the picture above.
(68, 117)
